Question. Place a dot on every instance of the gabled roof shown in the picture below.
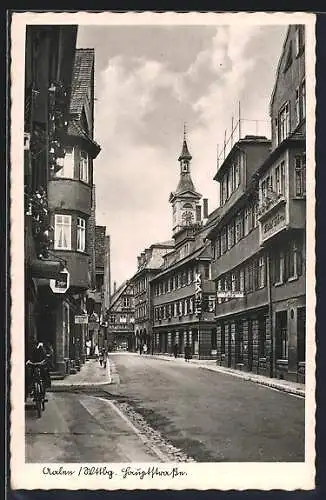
(81, 80)
(118, 293)
(75, 130)
(198, 253)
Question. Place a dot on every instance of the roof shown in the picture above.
(185, 184)
(168, 243)
(81, 80)
(279, 67)
(185, 155)
(117, 294)
(75, 130)
(200, 252)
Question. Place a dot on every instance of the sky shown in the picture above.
(149, 81)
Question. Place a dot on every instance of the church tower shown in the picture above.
(185, 199)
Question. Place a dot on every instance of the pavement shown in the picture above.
(91, 374)
(281, 385)
(84, 429)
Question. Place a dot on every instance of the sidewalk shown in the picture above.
(90, 374)
(210, 364)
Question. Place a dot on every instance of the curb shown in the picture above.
(247, 377)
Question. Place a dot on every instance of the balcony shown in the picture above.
(70, 194)
(270, 203)
(252, 300)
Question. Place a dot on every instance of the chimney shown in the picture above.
(198, 213)
(205, 208)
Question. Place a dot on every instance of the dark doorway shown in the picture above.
(250, 350)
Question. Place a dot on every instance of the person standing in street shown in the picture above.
(175, 350)
(145, 349)
(187, 353)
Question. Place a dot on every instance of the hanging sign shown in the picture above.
(61, 285)
(81, 319)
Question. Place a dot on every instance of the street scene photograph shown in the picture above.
(165, 244)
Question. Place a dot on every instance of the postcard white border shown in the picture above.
(201, 476)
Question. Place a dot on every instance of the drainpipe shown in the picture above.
(270, 312)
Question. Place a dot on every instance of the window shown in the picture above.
(231, 234)
(239, 227)
(233, 282)
(294, 260)
(246, 221)
(254, 215)
(83, 167)
(279, 268)
(123, 318)
(261, 272)
(219, 289)
(237, 174)
(277, 180)
(62, 232)
(303, 100)
(112, 319)
(281, 335)
(300, 175)
(81, 234)
(297, 106)
(207, 269)
(241, 280)
(126, 301)
(283, 178)
(223, 241)
(263, 189)
(68, 164)
(284, 122)
(262, 336)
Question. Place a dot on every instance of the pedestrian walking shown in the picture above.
(187, 353)
(175, 350)
(101, 358)
(145, 349)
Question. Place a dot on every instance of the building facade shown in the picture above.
(182, 292)
(71, 197)
(238, 264)
(49, 60)
(120, 318)
(148, 265)
(259, 242)
(282, 210)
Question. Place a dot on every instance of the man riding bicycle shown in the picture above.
(37, 357)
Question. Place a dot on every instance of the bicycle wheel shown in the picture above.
(38, 398)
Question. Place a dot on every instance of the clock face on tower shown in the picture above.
(187, 217)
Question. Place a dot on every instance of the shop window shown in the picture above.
(262, 336)
(222, 338)
(213, 339)
(81, 234)
(281, 335)
(62, 232)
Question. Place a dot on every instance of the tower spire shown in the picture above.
(185, 155)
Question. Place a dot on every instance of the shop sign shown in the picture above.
(81, 319)
(274, 224)
(228, 294)
(61, 284)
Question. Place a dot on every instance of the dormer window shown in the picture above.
(83, 167)
(299, 39)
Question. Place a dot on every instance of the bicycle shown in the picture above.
(38, 386)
